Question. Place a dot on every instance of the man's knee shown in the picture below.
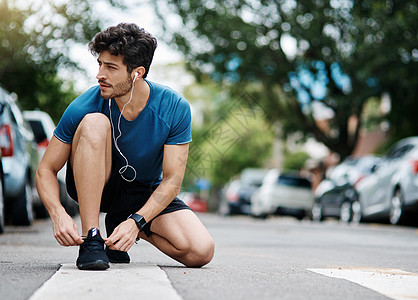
(201, 254)
(94, 127)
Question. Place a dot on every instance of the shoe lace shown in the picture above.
(93, 244)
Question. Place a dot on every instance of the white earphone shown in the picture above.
(115, 140)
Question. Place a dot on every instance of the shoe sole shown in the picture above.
(119, 261)
(96, 265)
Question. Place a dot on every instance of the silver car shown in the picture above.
(283, 194)
(391, 191)
(20, 160)
(43, 128)
(334, 196)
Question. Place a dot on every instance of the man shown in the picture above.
(126, 143)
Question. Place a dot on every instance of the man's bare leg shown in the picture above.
(91, 160)
(183, 237)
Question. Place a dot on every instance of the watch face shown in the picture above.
(140, 221)
(136, 217)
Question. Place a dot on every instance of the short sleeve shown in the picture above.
(66, 127)
(88, 102)
(180, 129)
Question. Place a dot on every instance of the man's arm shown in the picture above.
(56, 155)
(174, 166)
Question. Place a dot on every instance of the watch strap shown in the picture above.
(139, 220)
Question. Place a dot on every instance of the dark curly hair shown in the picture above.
(133, 43)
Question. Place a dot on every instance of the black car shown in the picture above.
(335, 195)
(236, 196)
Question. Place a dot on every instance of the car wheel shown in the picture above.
(356, 212)
(224, 209)
(1, 206)
(396, 208)
(317, 212)
(22, 211)
(300, 216)
(40, 211)
(70, 205)
(261, 216)
(345, 212)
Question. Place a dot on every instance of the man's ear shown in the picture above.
(140, 71)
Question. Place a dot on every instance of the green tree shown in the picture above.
(35, 44)
(389, 31)
(344, 53)
(233, 135)
(295, 161)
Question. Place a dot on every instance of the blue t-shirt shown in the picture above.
(165, 120)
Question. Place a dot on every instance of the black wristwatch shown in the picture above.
(139, 220)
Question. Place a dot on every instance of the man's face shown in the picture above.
(113, 78)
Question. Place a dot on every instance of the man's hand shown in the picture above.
(123, 237)
(65, 231)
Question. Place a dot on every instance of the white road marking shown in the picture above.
(393, 283)
(120, 281)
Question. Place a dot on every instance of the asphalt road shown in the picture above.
(277, 258)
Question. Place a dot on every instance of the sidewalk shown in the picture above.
(142, 278)
(123, 281)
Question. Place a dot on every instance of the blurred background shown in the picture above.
(281, 92)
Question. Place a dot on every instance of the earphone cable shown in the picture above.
(115, 140)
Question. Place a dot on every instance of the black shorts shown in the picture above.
(121, 198)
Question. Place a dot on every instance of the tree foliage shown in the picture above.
(233, 135)
(344, 52)
(36, 41)
(295, 161)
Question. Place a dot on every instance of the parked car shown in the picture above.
(236, 196)
(283, 194)
(193, 200)
(391, 191)
(1, 195)
(43, 128)
(335, 195)
(20, 160)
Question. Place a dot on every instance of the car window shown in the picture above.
(406, 149)
(12, 117)
(17, 114)
(38, 130)
(3, 115)
(399, 152)
(294, 181)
